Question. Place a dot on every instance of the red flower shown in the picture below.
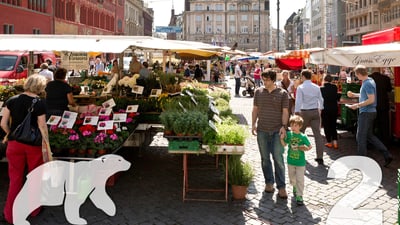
(87, 127)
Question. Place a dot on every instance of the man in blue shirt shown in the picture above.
(367, 114)
(309, 104)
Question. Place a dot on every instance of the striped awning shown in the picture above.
(297, 54)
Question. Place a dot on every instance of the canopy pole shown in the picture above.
(30, 64)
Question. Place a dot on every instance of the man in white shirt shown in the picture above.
(44, 71)
(238, 75)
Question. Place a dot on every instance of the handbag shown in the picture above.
(25, 132)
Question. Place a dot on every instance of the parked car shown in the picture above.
(14, 65)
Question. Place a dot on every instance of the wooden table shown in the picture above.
(186, 189)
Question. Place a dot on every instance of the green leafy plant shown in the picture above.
(229, 132)
(239, 173)
(168, 118)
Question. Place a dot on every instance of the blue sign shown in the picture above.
(168, 29)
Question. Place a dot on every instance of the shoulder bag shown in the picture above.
(25, 132)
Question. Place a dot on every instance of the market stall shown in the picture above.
(372, 55)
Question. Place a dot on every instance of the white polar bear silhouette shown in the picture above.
(49, 183)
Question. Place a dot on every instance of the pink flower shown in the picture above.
(86, 133)
(113, 137)
(129, 120)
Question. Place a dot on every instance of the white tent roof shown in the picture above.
(379, 55)
(94, 43)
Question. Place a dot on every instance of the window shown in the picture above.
(255, 17)
(219, 7)
(244, 7)
(35, 31)
(219, 29)
(198, 18)
(232, 7)
(198, 7)
(208, 18)
(255, 29)
(198, 29)
(243, 17)
(232, 18)
(232, 29)
(244, 29)
(8, 29)
(218, 18)
(255, 6)
(208, 29)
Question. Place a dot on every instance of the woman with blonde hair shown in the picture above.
(23, 157)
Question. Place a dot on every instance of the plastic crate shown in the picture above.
(183, 145)
(348, 116)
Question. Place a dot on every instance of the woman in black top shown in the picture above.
(198, 73)
(23, 157)
(58, 94)
(329, 114)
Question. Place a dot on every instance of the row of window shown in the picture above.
(9, 29)
(231, 18)
(220, 7)
(12, 2)
(373, 18)
(232, 30)
(35, 5)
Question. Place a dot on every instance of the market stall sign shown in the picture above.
(75, 60)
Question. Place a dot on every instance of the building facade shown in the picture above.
(90, 17)
(223, 23)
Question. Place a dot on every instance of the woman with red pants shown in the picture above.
(20, 155)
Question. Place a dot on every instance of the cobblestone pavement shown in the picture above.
(151, 191)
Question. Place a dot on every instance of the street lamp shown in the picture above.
(277, 32)
(259, 25)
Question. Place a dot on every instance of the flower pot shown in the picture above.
(239, 192)
(72, 152)
(81, 152)
(168, 132)
(90, 153)
(101, 152)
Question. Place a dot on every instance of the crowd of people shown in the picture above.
(313, 105)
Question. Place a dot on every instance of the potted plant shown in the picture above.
(240, 175)
(181, 124)
(167, 119)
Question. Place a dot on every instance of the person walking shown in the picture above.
(383, 89)
(22, 157)
(296, 159)
(308, 105)
(329, 115)
(269, 123)
(257, 75)
(367, 114)
(287, 84)
(238, 75)
(198, 73)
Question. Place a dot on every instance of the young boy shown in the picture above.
(298, 143)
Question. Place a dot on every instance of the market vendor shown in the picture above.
(134, 66)
(58, 94)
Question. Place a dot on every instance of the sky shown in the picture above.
(162, 10)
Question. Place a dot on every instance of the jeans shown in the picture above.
(237, 86)
(269, 144)
(365, 134)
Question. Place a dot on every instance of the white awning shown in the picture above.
(379, 55)
(94, 43)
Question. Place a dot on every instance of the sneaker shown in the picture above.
(294, 191)
(328, 145)
(269, 188)
(320, 161)
(299, 200)
(282, 193)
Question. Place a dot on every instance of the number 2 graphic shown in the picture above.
(343, 212)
